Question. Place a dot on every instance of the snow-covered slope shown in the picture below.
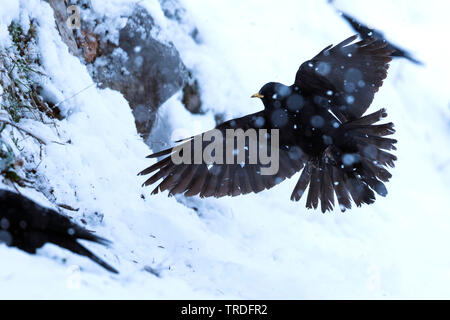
(255, 246)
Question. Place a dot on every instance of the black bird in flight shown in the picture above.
(28, 226)
(322, 131)
(368, 33)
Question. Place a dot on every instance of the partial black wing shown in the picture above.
(227, 179)
(31, 226)
(366, 33)
(345, 78)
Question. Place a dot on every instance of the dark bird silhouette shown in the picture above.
(28, 226)
(368, 33)
(322, 130)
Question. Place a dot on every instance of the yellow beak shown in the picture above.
(257, 95)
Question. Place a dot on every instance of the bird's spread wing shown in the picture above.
(227, 179)
(345, 78)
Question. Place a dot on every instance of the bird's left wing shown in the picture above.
(345, 78)
(211, 179)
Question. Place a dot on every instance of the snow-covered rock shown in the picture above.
(144, 69)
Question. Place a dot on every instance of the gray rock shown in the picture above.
(145, 70)
(173, 10)
(191, 96)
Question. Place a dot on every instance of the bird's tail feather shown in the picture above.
(352, 175)
(77, 248)
(84, 234)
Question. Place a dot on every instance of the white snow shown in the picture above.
(255, 246)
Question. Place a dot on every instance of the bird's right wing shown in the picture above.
(208, 179)
(345, 78)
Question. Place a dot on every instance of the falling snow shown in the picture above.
(223, 248)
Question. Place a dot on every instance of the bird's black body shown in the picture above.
(303, 122)
(322, 132)
(28, 226)
(369, 33)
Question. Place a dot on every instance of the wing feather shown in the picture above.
(352, 72)
(218, 180)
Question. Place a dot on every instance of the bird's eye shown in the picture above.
(275, 96)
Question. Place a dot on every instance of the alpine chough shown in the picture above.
(29, 226)
(322, 132)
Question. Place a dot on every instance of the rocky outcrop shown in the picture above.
(191, 96)
(146, 70)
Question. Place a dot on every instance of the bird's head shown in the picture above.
(272, 94)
